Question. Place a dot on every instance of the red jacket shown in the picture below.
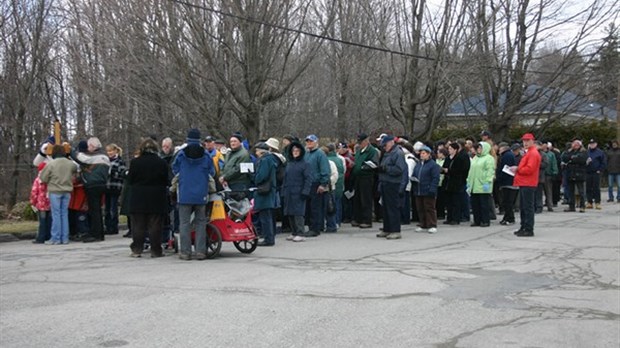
(529, 167)
(38, 195)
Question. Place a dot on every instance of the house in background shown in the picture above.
(538, 105)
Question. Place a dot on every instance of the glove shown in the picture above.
(486, 188)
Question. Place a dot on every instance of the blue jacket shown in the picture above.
(296, 185)
(194, 166)
(393, 166)
(507, 158)
(599, 161)
(427, 173)
(265, 171)
(319, 166)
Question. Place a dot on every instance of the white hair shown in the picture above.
(95, 143)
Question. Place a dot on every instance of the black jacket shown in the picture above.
(458, 169)
(148, 179)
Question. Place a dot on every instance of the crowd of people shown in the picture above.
(312, 189)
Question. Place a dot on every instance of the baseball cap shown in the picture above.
(528, 136)
(312, 137)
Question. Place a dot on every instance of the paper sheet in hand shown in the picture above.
(508, 171)
(371, 164)
(246, 167)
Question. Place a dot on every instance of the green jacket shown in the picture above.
(482, 171)
(58, 175)
(369, 154)
(332, 156)
(552, 164)
(232, 171)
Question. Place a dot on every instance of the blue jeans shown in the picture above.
(527, 205)
(111, 212)
(200, 223)
(60, 217)
(45, 226)
(613, 179)
(265, 216)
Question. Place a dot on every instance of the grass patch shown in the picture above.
(9, 226)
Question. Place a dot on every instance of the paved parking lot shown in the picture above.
(462, 287)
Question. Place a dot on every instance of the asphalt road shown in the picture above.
(461, 287)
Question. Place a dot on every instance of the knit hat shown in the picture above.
(82, 146)
(51, 140)
(238, 136)
(193, 136)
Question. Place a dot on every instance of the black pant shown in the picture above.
(147, 224)
(508, 202)
(527, 202)
(94, 196)
(454, 207)
(593, 187)
(391, 207)
(480, 206)
(441, 203)
(363, 199)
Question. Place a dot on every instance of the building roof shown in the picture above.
(539, 100)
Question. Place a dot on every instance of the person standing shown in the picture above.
(296, 190)
(194, 167)
(58, 175)
(456, 169)
(551, 172)
(337, 187)
(526, 179)
(266, 193)
(114, 187)
(480, 184)
(148, 202)
(505, 183)
(319, 165)
(41, 204)
(231, 174)
(540, 189)
(363, 182)
(392, 182)
(94, 170)
(613, 170)
(425, 187)
(596, 164)
(575, 160)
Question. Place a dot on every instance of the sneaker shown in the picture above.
(432, 230)
(298, 239)
(382, 234)
(290, 237)
(393, 236)
(365, 225)
(201, 256)
(185, 257)
(420, 229)
(135, 255)
(598, 206)
(52, 242)
(506, 223)
(589, 206)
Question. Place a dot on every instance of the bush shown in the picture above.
(23, 211)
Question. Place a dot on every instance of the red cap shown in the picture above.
(528, 136)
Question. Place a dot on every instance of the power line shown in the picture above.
(355, 44)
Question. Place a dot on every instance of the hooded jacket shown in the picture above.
(297, 183)
(194, 166)
(482, 171)
(598, 161)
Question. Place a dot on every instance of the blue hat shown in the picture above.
(312, 137)
(427, 149)
(51, 140)
(385, 139)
